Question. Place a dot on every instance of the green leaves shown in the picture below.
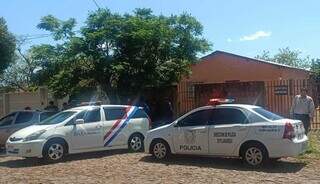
(287, 57)
(315, 68)
(124, 53)
(7, 46)
(59, 29)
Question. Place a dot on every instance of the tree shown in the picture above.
(7, 46)
(287, 57)
(123, 53)
(315, 68)
(19, 75)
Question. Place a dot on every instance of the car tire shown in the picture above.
(254, 155)
(135, 142)
(160, 149)
(54, 151)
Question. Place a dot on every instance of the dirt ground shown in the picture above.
(123, 167)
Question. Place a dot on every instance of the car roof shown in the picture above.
(93, 106)
(245, 106)
(33, 111)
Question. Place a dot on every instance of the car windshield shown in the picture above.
(45, 115)
(267, 114)
(58, 118)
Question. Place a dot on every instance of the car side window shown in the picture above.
(24, 117)
(7, 120)
(196, 119)
(90, 116)
(140, 113)
(114, 113)
(226, 116)
(253, 118)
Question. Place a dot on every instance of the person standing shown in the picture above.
(65, 106)
(51, 107)
(303, 108)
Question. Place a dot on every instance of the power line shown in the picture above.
(38, 36)
(96, 4)
(32, 37)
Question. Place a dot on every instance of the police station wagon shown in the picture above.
(231, 130)
(82, 129)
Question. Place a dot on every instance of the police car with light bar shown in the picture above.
(82, 129)
(230, 130)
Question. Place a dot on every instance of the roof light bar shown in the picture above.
(219, 101)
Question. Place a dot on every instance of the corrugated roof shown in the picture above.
(253, 59)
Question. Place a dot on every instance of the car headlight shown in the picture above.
(34, 136)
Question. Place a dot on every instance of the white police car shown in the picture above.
(231, 130)
(82, 129)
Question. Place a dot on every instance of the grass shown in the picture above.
(313, 151)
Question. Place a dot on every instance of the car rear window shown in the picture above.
(140, 113)
(7, 120)
(267, 114)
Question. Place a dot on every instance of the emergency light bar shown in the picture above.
(90, 103)
(219, 101)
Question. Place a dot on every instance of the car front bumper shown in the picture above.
(25, 149)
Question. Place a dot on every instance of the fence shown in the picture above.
(14, 101)
(280, 94)
(275, 96)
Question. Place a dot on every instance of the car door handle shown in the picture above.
(99, 126)
(200, 130)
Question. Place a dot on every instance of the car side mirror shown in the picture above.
(79, 121)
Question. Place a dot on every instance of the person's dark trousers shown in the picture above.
(305, 118)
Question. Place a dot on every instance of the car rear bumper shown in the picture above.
(25, 149)
(289, 148)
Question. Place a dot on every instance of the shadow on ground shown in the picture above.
(280, 166)
(33, 162)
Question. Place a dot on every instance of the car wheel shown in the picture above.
(55, 151)
(255, 155)
(160, 150)
(135, 143)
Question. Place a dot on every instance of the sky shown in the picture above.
(245, 27)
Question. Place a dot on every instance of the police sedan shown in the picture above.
(229, 130)
(82, 129)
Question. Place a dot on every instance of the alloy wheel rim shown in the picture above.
(55, 151)
(136, 143)
(160, 150)
(254, 156)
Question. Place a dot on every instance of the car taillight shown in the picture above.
(288, 131)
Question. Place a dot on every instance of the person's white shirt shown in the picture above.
(302, 105)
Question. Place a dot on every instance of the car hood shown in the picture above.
(163, 127)
(29, 130)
